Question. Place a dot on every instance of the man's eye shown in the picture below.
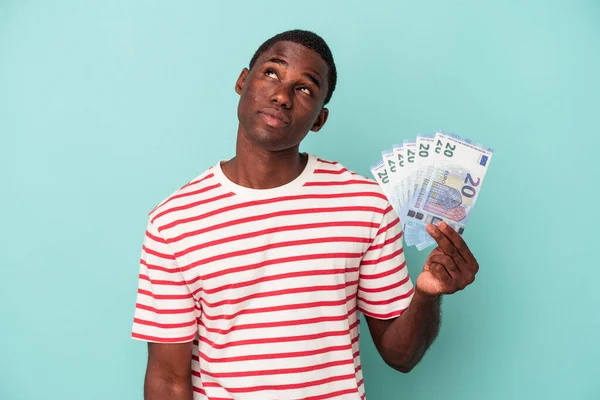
(306, 90)
(271, 74)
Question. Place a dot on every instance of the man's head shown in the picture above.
(283, 92)
(309, 40)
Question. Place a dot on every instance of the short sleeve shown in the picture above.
(165, 309)
(385, 288)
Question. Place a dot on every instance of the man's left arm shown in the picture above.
(402, 341)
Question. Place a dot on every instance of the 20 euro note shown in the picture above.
(400, 155)
(454, 185)
(426, 149)
(381, 175)
(389, 160)
(422, 145)
(409, 146)
(391, 166)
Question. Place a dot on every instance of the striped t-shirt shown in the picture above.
(269, 283)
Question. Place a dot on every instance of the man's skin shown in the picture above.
(281, 100)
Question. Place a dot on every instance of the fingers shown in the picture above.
(459, 243)
(445, 244)
(453, 245)
(448, 263)
(454, 255)
(438, 271)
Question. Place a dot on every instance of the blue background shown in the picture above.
(107, 107)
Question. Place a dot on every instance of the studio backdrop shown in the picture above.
(108, 107)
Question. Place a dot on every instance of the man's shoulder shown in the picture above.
(335, 170)
(200, 186)
(333, 176)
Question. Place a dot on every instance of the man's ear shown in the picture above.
(239, 85)
(321, 119)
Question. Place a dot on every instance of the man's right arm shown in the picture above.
(168, 373)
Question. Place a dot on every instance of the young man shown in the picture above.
(255, 272)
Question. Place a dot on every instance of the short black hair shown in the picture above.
(309, 40)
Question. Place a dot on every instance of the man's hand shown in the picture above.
(450, 267)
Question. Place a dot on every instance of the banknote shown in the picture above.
(430, 179)
(400, 174)
(381, 174)
(417, 236)
(410, 146)
(390, 165)
(427, 147)
(454, 184)
(424, 159)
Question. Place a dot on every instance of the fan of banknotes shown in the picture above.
(430, 179)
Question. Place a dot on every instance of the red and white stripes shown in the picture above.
(269, 283)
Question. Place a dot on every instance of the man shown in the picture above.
(255, 272)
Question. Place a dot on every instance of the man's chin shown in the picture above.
(270, 140)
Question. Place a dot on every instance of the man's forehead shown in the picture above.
(296, 52)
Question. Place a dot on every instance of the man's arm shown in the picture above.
(168, 373)
(402, 341)
(450, 267)
(165, 317)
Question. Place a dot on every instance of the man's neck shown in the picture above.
(257, 168)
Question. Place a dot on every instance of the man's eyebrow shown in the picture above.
(278, 61)
(313, 79)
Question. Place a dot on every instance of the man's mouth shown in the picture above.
(274, 118)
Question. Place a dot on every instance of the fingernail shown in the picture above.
(442, 224)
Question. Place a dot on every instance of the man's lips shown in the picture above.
(274, 117)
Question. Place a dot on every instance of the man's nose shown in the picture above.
(282, 96)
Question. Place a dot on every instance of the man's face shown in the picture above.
(281, 98)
